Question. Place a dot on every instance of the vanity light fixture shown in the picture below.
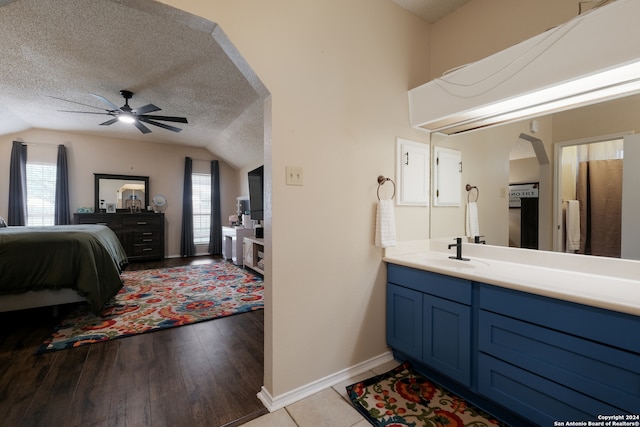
(603, 86)
(569, 66)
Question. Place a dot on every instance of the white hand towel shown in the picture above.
(385, 224)
(573, 225)
(472, 223)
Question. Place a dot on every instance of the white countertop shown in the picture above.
(612, 284)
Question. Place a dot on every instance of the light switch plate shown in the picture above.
(294, 175)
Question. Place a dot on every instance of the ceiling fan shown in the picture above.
(126, 114)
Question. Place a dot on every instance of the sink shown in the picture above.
(452, 263)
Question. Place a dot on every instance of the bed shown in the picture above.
(41, 266)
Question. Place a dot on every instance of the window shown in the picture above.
(201, 187)
(41, 193)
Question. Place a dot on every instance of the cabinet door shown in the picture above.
(447, 337)
(447, 177)
(404, 320)
(412, 173)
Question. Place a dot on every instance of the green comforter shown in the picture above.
(87, 258)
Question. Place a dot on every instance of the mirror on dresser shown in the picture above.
(121, 192)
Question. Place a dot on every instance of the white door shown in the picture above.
(630, 245)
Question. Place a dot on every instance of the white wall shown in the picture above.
(338, 73)
(86, 155)
(483, 27)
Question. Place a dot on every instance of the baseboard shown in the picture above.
(274, 403)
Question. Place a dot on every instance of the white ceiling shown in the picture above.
(430, 10)
(181, 63)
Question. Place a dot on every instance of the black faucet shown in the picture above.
(458, 245)
(476, 239)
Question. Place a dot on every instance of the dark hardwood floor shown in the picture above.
(206, 374)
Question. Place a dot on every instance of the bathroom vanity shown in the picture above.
(532, 338)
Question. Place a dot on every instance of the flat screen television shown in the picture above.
(256, 190)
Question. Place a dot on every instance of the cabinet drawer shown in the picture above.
(594, 369)
(451, 288)
(144, 222)
(617, 329)
(538, 399)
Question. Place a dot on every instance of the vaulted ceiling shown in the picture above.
(55, 53)
(67, 49)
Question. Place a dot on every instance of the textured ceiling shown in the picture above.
(183, 64)
(430, 10)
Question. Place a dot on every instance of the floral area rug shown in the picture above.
(161, 298)
(404, 398)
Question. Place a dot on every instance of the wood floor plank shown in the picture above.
(91, 403)
(205, 374)
(57, 389)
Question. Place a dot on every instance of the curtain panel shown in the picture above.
(18, 185)
(599, 192)
(62, 214)
(215, 232)
(187, 247)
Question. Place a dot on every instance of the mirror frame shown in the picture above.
(99, 176)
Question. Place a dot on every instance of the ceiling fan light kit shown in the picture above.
(136, 116)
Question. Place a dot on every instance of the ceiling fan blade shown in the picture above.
(165, 118)
(109, 122)
(149, 108)
(142, 128)
(106, 101)
(162, 125)
(79, 103)
(83, 112)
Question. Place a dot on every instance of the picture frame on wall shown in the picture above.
(111, 208)
(518, 191)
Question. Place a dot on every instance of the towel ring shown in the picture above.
(469, 188)
(381, 181)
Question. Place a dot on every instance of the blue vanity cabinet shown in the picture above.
(550, 360)
(526, 358)
(429, 320)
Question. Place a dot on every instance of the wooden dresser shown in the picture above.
(141, 234)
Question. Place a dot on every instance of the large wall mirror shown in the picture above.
(124, 193)
(496, 158)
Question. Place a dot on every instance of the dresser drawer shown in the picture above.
(111, 221)
(147, 251)
(146, 237)
(146, 222)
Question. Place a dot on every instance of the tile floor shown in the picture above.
(328, 408)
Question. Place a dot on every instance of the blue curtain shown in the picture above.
(187, 247)
(18, 185)
(215, 234)
(62, 215)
